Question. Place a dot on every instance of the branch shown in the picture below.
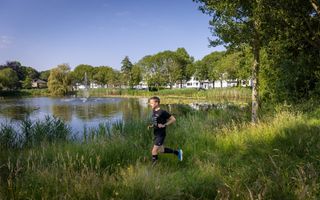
(316, 6)
(316, 41)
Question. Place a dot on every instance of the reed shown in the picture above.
(214, 94)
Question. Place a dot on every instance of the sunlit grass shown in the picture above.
(226, 157)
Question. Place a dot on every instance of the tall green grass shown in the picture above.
(226, 157)
(29, 133)
(218, 93)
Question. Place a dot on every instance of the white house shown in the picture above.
(206, 84)
(80, 86)
(142, 86)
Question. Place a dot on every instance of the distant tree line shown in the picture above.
(14, 76)
(162, 69)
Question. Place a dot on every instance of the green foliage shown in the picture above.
(126, 71)
(44, 75)
(8, 79)
(15, 66)
(21, 73)
(79, 72)
(29, 72)
(27, 83)
(284, 33)
(103, 75)
(136, 75)
(166, 68)
(117, 80)
(59, 80)
(208, 68)
(292, 56)
(184, 61)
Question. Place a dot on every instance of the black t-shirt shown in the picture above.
(159, 117)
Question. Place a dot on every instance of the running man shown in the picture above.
(160, 120)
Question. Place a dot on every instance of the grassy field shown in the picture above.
(226, 157)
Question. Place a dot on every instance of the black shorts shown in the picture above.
(158, 139)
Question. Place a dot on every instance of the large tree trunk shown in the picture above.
(255, 77)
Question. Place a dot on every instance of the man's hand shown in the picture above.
(161, 125)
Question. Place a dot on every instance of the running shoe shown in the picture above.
(180, 154)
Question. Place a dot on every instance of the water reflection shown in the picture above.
(91, 113)
(62, 111)
(18, 112)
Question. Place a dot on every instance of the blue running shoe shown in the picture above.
(180, 154)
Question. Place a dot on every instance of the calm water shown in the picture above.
(80, 113)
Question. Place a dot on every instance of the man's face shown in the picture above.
(153, 104)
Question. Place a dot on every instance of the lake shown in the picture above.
(81, 112)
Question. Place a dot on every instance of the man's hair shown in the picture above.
(156, 99)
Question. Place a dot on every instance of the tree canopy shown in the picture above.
(8, 79)
(59, 81)
(286, 31)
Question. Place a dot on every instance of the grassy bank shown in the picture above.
(218, 93)
(225, 158)
(25, 93)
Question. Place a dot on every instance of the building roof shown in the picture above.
(39, 81)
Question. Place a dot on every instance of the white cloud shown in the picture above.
(5, 41)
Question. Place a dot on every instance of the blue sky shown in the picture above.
(45, 33)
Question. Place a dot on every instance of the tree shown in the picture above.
(166, 67)
(30, 72)
(126, 71)
(238, 23)
(245, 61)
(116, 78)
(79, 73)
(103, 75)
(44, 75)
(234, 65)
(153, 72)
(15, 66)
(59, 81)
(201, 71)
(136, 73)
(184, 61)
(27, 83)
(210, 67)
(292, 56)
(24, 74)
(8, 79)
